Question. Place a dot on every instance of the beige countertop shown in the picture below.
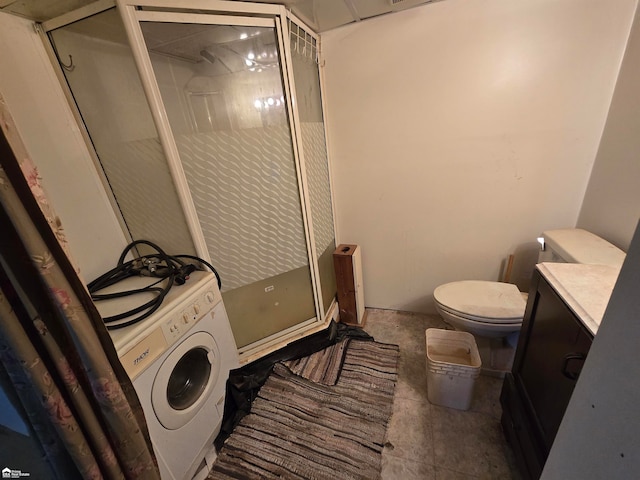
(586, 289)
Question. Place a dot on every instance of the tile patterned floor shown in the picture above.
(430, 442)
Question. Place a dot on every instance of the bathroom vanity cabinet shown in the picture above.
(552, 347)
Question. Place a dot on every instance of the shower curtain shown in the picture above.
(57, 363)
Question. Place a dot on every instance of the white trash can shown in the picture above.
(453, 364)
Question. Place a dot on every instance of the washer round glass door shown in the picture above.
(188, 379)
(185, 380)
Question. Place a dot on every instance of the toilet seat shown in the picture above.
(477, 320)
(482, 301)
(486, 329)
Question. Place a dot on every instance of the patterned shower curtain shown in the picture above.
(57, 362)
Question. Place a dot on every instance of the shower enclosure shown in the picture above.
(207, 124)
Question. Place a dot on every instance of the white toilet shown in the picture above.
(494, 309)
(487, 309)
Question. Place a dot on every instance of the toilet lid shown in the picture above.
(483, 299)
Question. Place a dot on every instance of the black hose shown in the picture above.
(160, 265)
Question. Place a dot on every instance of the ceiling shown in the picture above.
(321, 15)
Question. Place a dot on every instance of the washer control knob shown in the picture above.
(185, 318)
(210, 297)
(196, 308)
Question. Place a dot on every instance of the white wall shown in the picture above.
(51, 136)
(459, 131)
(611, 205)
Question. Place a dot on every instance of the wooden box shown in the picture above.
(347, 261)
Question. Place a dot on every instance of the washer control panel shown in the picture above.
(177, 325)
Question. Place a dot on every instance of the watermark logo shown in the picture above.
(10, 473)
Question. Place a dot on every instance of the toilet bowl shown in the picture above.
(483, 308)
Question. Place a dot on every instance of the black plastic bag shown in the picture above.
(244, 383)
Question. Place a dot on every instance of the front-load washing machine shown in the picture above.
(179, 360)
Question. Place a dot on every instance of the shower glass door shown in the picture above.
(99, 68)
(222, 88)
(306, 75)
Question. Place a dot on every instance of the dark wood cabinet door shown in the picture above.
(555, 352)
(552, 348)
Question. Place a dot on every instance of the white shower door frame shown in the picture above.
(242, 14)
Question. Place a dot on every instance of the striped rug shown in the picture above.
(300, 429)
(323, 366)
